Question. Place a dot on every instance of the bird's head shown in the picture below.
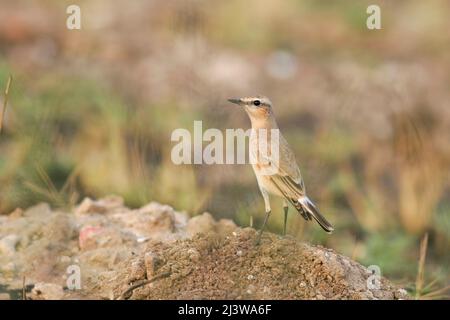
(258, 107)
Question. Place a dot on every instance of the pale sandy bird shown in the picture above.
(285, 181)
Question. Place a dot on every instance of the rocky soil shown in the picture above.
(155, 252)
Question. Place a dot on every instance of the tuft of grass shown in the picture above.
(421, 269)
(5, 102)
(428, 291)
(64, 197)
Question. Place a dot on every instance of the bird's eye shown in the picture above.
(256, 102)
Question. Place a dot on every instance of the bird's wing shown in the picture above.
(287, 178)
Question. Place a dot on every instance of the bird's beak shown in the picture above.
(235, 100)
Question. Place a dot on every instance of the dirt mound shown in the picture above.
(157, 253)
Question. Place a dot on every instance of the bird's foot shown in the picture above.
(258, 239)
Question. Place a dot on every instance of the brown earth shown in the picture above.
(155, 252)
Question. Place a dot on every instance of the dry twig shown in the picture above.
(127, 293)
(5, 102)
(421, 271)
(24, 292)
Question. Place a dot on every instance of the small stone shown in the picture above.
(138, 270)
(103, 205)
(239, 253)
(47, 291)
(250, 277)
(400, 294)
(194, 255)
(250, 289)
(200, 224)
(87, 237)
(41, 209)
(85, 206)
(142, 239)
(151, 262)
(17, 213)
(65, 259)
(377, 293)
(155, 207)
(225, 226)
(8, 244)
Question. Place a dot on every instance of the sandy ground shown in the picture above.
(155, 252)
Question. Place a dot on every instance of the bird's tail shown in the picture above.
(308, 208)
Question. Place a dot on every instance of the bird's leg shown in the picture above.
(258, 239)
(285, 208)
(268, 210)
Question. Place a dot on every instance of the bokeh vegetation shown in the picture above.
(366, 112)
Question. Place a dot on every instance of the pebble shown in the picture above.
(99, 206)
(65, 259)
(137, 270)
(150, 261)
(251, 289)
(17, 213)
(8, 244)
(194, 255)
(48, 291)
(400, 294)
(142, 239)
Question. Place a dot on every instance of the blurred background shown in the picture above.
(367, 113)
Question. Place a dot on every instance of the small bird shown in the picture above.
(285, 181)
